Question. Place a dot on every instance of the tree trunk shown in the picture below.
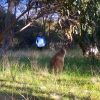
(6, 40)
(44, 25)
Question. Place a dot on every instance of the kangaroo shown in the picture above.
(57, 62)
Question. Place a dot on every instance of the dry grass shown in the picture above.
(29, 77)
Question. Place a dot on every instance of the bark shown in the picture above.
(6, 40)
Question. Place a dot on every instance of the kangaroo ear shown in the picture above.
(65, 43)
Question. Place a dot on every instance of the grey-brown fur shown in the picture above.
(57, 62)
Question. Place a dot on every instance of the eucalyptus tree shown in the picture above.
(7, 39)
(89, 19)
(81, 23)
(8, 19)
(81, 20)
(5, 35)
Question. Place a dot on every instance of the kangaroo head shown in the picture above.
(65, 46)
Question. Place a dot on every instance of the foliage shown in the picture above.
(84, 15)
(26, 38)
(88, 18)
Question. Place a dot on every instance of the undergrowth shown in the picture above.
(29, 77)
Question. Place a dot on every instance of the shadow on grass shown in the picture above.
(15, 96)
(26, 61)
(11, 92)
(78, 65)
(82, 66)
(71, 96)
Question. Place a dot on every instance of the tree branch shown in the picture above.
(23, 28)
(15, 21)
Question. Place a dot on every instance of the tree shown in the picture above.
(6, 34)
(2, 18)
(7, 39)
(83, 17)
(9, 26)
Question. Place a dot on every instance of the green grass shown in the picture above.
(28, 77)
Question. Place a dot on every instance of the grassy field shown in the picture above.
(28, 77)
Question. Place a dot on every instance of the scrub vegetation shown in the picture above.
(29, 77)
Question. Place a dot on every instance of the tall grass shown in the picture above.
(30, 78)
